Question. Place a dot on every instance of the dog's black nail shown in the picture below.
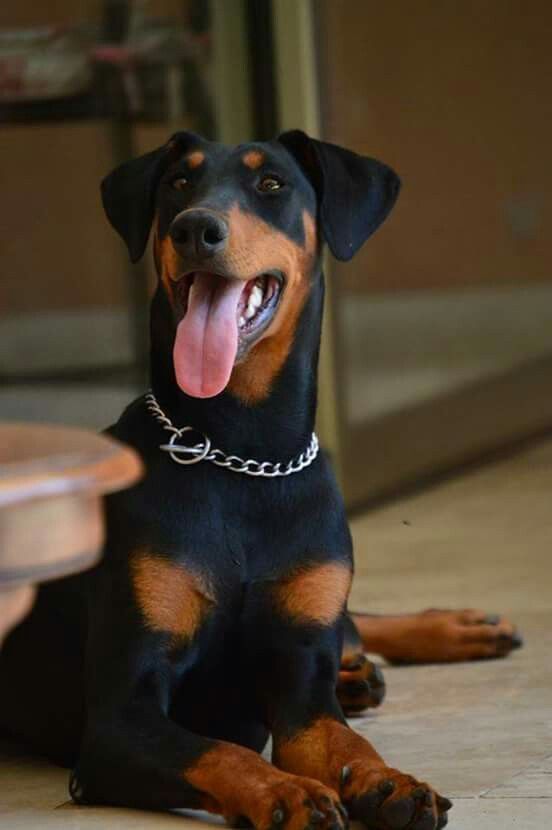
(512, 640)
(443, 803)
(345, 774)
(425, 821)
(341, 809)
(316, 816)
(75, 789)
(278, 816)
(492, 619)
(376, 678)
(386, 787)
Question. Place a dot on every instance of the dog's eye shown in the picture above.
(268, 184)
(180, 183)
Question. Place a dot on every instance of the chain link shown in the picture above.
(204, 452)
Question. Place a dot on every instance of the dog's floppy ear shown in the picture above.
(355, 193)
(128, 192)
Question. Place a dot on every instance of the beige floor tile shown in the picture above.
(501, 814)
(482, 540)
(533, 782)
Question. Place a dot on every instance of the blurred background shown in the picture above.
(438, 336)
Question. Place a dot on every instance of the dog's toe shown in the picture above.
(361, 685)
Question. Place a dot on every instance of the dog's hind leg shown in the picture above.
(437, 636)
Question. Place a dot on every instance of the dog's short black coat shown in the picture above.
(217, 612)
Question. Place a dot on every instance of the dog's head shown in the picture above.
(237, 238)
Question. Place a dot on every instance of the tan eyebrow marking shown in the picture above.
(195, 159)
(253, 159)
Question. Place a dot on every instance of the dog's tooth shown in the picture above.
(253, 304)
(241, 321)
(256, 295)
(249, 311)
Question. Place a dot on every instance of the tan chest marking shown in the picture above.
(171, 598)
(316, 594)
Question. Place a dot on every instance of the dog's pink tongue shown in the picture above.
(207, 337)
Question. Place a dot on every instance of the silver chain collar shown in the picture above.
(204, 452)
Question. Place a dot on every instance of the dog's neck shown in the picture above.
(275, 429)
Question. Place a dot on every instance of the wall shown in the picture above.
(456, 96)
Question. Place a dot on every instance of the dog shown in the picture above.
(217, 617)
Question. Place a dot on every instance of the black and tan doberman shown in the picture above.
(218, 614)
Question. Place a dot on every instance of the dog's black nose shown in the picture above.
(199, 233)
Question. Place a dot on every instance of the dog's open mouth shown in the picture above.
(222, 318)
(257, 305)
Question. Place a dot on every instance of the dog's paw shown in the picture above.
(441, 636)
(295, 803)
(360, 685)
(464, 634)
(385, 799)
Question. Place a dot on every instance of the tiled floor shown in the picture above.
(482, 733)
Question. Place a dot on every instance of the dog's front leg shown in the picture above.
(137, 757)
(295, 650)
(133, 754)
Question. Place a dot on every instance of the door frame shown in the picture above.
(294, 30)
